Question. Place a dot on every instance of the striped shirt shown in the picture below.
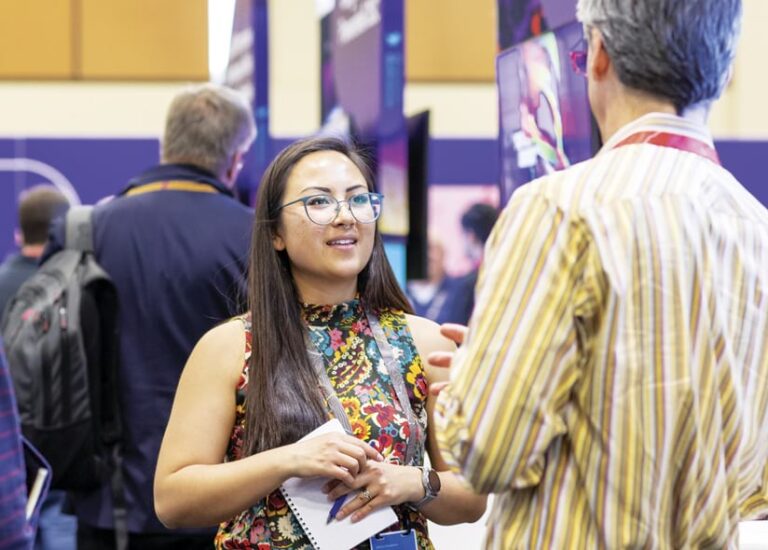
(614, 385)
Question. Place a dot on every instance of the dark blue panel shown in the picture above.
(463, 161)
(96, 167)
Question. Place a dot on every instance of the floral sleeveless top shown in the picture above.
(357, 373)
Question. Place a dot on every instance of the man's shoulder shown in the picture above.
(15, 266)
(558, 187)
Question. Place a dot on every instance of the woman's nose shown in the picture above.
(344, 214)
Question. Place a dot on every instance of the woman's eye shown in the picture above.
(319, 201)
(360, 200)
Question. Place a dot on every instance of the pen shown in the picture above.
(337, 504)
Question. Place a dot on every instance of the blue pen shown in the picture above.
(338, 503)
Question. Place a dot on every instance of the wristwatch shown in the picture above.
(431, 482)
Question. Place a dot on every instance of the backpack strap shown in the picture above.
(79, 236)
(79, 231)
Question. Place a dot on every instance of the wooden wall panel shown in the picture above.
(35, 39)
(144, 39)
(450, 40)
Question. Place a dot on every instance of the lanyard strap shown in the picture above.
(675, 141)
(395, 375)
(193, 186)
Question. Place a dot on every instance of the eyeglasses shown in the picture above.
(323, 209)
(578, 56)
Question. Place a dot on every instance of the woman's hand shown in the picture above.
(381, 484)
(338, 456)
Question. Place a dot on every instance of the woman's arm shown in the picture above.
(393, 484)
(193, 487)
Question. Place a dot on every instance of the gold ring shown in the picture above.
(366, 495)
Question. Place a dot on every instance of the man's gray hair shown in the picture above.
(206, 126)
(680, 50)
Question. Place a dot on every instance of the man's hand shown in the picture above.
(443, 359)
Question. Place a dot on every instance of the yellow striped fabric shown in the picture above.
(613, 390)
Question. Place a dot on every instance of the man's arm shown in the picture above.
(513, 377)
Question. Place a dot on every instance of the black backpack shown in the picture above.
(61, 342)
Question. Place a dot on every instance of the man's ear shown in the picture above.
(599, 62)
(235, 165)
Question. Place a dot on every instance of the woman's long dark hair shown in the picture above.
(283, 400)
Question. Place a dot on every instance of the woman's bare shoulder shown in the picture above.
(221, 348)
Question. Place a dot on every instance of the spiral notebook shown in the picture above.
(311, 506)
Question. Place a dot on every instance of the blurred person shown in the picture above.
(476, 225)
(425, 295)
(329, 335)
(38, 206)
(175, 243)
(453, 297)
(613, 387)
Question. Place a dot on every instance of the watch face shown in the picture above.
(434, 481)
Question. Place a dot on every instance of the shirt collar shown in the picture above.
(660, 122)
(183, 172)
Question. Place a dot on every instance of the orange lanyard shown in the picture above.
(172, 186)
(675, 141)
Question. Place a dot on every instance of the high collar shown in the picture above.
(331, 314)
(660, 122)
(178, 172)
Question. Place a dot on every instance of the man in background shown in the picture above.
(175, 243)
(476, 225)
(613, 387)
(447, 299)
(38, 206)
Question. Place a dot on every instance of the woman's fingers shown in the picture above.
(358, 482)
(331, 485)
(341, 474)
(363, 504)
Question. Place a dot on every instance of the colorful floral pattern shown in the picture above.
(353, 363)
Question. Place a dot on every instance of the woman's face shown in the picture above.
(325, 259)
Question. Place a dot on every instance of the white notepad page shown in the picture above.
(311, 506)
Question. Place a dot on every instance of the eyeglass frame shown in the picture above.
(304, 200)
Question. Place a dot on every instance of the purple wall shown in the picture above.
(100, 167)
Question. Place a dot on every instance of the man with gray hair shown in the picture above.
(613, 385)
(175, 243)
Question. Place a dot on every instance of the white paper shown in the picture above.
(311, 507)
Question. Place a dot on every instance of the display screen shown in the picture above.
(545, 123)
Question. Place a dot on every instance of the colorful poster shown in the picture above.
(544, 115)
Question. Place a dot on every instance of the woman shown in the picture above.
(319, 282)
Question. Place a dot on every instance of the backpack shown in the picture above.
(61, 342)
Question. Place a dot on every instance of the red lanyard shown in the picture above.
(675, 141)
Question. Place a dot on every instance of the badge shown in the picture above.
(395, 540)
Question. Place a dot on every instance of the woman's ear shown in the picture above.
(277, 241)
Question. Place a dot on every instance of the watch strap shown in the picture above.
(429, 492)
